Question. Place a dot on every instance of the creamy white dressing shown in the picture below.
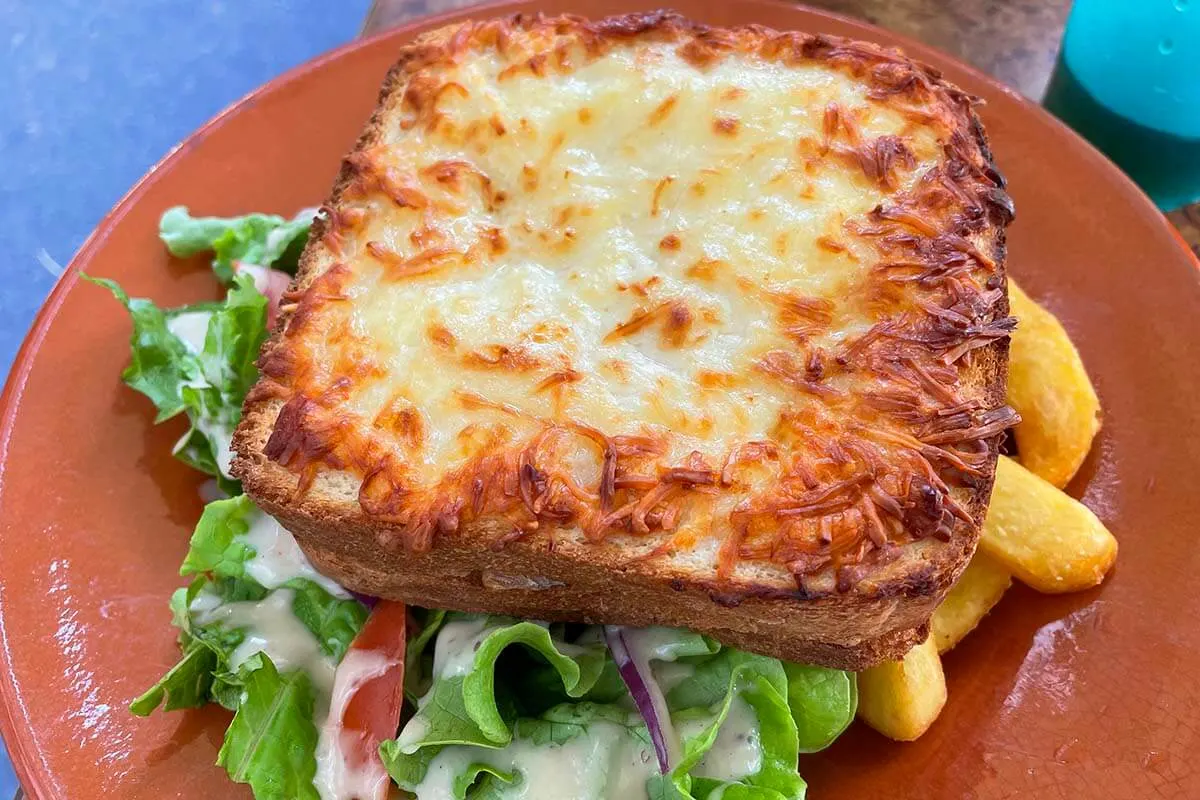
(604, 763)
(210, 490)
(338, 776)
(655, 644)
(203, 603)
(190, 327)
(414, 731)
(261, 275)
(737, 750)
(275, 238)
(221, 436)
(457, 641)
(278, 558)
(270, 627)
(670, 674)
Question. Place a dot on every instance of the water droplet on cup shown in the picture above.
(1166, 47)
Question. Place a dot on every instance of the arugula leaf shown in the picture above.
(272, 739)
(483, 782)
(566, 721)
(710, 683)
(408, 770)
(206, 652)
(264, 239)
(334, 621)
(703, 788)
(185, 685)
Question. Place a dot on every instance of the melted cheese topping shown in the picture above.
(648, 207)
(651, 262)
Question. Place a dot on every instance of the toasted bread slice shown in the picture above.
(643, 322)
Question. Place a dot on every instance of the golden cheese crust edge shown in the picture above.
(883, 612)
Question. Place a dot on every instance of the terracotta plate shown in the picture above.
(1092, 695)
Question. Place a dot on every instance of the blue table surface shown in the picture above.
(94, 93)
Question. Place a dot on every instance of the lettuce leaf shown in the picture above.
(208, 382)
(272, 740)
(417, 662)
(263, 239)
(186, 685)
(760, 682)
(218, 555)
(501, 689)
(219, 549)
(194, 680)
(823, 703)
(271, 743)
(218, 546)
(470, 708)
(235, 334)
(487, 719)
(161, 365)
(236, 331)
(610, 735)
(333, 621)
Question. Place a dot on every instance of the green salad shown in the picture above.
(493, 707)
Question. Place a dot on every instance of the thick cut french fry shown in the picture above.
(979, 588)
(1049, 387)
(1049, 540)
(901, 699)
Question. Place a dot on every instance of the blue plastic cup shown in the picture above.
(1128, 79)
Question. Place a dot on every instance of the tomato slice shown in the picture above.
(368, 693)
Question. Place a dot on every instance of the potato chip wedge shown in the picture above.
(1049, 387)
(901, 699)
(979, 588)
(1049, 540)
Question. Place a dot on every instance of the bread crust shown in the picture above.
(866, 611)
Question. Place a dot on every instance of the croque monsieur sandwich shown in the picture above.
(641, 322)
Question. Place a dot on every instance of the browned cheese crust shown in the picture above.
(828, 538)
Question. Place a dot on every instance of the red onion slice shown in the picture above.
(647, 695)
(271, 283)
